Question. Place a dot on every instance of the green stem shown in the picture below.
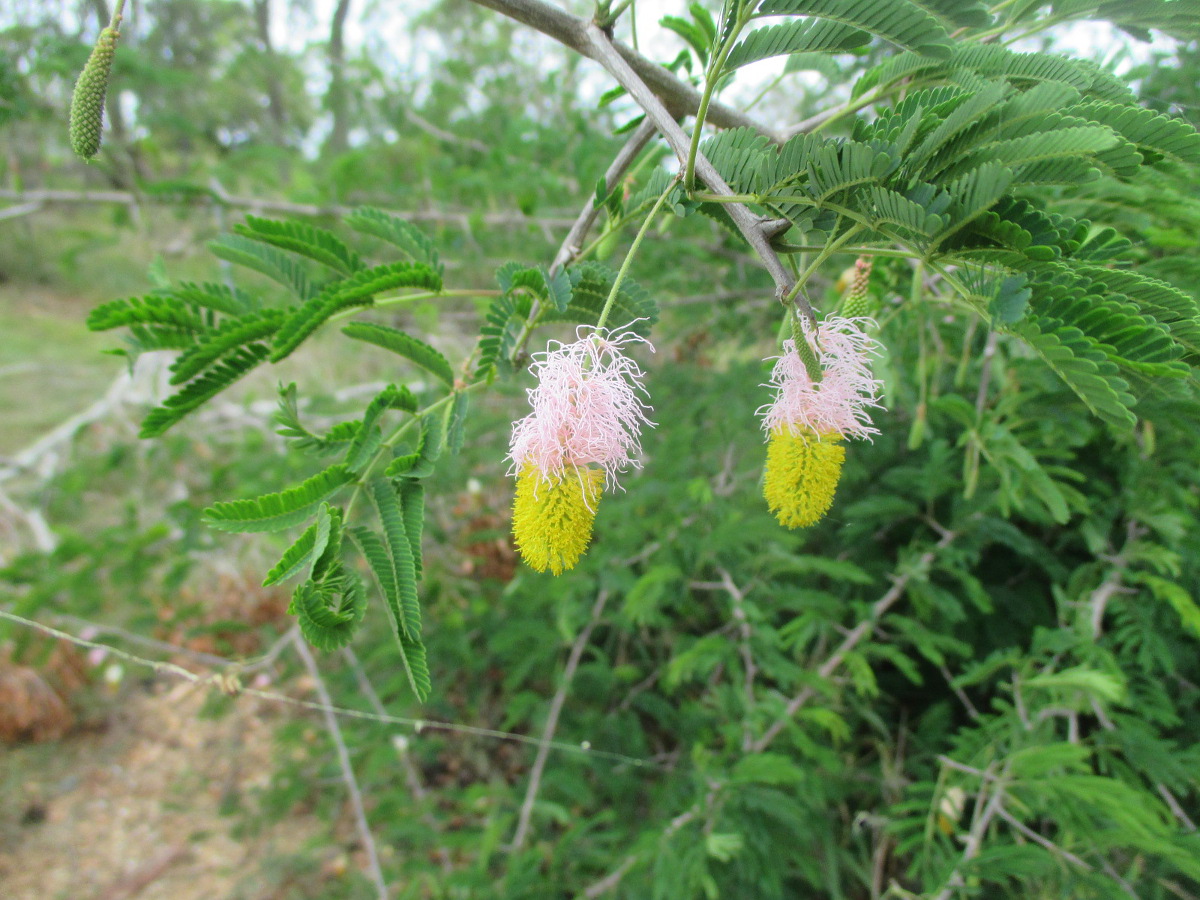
(397, 433)
(771, 86)
(852, 251)
(1037, 28)
(709, 197)
(437, 295)
(118, 12)
(957, 284)
(408, 298)
(711, 77)
(633, 249)
(597, 241)
(843, 211)
(827, 252)
(611, 17)
(864, 101)
(964, 358)
(618, 223)
(995, 31)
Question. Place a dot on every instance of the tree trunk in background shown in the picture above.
(338, 140)
(275, 105)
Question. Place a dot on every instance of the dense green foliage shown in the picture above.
(976, 677)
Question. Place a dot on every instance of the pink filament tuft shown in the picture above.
(586, 407)
(838, 402)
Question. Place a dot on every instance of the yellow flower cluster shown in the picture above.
(587, 413)
(552, 519)
(802, 474)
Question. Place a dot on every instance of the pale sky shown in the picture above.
(387, 25)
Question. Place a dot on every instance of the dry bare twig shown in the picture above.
(217, 197)
(860, 631)
(576, 33)
(556, 705)
(335, 732)
(411, 776)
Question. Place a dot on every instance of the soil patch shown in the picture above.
(150, 806)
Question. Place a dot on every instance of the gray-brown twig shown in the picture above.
(218, 197)
(556, 705)
(335, 732)
(737, 597)
(573, 32)
(974, 839)
(411, 776)
(753, 228)
(862, 630)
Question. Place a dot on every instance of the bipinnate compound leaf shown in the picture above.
(420, 463)
(403, 344)
(315, 549)
(899, 21)
(304, 240)
(358, 290)
(1085, 369)
(405, 619)
(329, 612)
(796, 36)
(287, 417)
(456, 425)
(274, 512)
(633, 308)
(408, 237)
(391, 517)
(229, 335)
(412, 506)
(217, 298)
(266, 260)
(498, 336)
(329, 537)
(198, 392)
(553, 291)
(369, 437)
(153, 309)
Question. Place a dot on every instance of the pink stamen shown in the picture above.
(838, 402)
(586, 407)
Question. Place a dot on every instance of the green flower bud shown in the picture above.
(805, 351)
(858, 301)
(87, 103)
(856, 307)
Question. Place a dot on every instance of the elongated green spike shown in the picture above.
(858, 300)
(804, 350)
(87, 103)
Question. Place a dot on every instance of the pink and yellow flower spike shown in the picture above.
(810, 417)
(583, 431)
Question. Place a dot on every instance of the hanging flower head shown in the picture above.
(810, 416)
(583, 432)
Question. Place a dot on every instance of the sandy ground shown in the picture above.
(134, 808)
